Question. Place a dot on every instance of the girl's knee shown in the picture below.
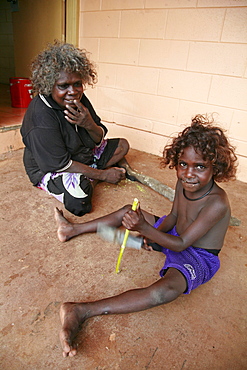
(162, 296)
(164, 293)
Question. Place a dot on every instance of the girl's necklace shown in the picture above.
(202, 196)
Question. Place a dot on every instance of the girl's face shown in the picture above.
(194, 173)
(67, 88)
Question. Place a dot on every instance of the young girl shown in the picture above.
(191, 235)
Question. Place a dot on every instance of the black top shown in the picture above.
(51, 142)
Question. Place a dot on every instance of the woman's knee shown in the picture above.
(78, 207)
(124, 145)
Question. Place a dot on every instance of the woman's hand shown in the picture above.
(113, 175)
(80, 116)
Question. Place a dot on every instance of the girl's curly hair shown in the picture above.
(57, 57)
(208, 140)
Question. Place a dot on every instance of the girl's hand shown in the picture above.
(146, 246)
(134, 220)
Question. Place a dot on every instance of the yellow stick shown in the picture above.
(126, 235)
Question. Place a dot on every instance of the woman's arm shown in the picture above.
(111, 174)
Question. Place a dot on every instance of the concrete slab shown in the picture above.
(205, 330)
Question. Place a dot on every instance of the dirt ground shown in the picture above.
(203, 330)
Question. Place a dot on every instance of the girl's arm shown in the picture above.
(207, 218)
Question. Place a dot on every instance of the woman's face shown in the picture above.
(67, 88)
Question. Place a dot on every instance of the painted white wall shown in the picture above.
(161, 62)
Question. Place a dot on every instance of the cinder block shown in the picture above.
(92, 46)
(86, 5)
(140, 140)
(242, 169)
(135, 78)
(235, 25)
(134, 122)
(157, 108)
(195, 24)
(135, 104)
(238, 128)
(184, 85)
(91, 94)
(117, 101)
(165, 129)
(143, 24)
(107, 74)
(228, 92)
(240, 147)
(122, 4)
(187, 110)
(170, 4)
(122, 51)
(164, 53)
(220, 3)
(100, 24)
(216, 58)
(106, 116)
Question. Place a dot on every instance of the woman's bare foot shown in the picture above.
(72, 316)
(65, 228)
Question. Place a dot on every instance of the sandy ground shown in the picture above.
(203, 330)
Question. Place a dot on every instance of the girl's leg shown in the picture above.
(73, 315)
(67, 230)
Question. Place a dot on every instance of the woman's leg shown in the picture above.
(121, 150)
(67, 230)
(72, 315)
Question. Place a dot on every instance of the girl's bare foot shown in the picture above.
(65, 228)
(72, 316)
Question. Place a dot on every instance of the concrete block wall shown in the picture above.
(160, 62)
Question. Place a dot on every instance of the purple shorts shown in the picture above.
(196, 264)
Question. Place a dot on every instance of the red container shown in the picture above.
(21, 92)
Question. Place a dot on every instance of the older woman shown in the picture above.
(65, 149)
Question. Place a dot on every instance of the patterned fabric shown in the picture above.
(75, 190)
(70, 181)
(196, 264)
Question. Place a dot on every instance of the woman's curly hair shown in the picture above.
(57, 57)
(208, 140)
